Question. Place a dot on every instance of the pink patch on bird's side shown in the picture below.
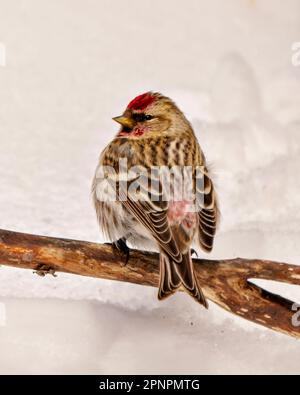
(141, 102)
(179, 213)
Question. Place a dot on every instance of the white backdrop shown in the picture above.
(70, 66)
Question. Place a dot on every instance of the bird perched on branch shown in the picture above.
(135, 201)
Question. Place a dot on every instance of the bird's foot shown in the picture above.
(122, 249)
(43, 270)
(194, 252)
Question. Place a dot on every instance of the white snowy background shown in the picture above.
(71, 66)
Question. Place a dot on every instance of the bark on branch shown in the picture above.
(225, 282)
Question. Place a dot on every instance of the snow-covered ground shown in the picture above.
(71, 66)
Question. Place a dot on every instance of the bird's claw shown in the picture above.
(43, 270)
(194, 252)
(121, 247)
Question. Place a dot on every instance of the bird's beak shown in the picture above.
(125, 121)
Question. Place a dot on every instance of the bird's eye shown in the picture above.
(142, 117)
(148, 117)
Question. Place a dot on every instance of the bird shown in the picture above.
(154, 134)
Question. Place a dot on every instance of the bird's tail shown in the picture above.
(173, 275)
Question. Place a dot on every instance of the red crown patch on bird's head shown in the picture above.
(141, 102)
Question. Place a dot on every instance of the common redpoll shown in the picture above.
(136, 202)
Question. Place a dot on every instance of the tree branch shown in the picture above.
(225, 282)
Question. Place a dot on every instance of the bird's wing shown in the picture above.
(151, 210)
(208, 210)
(176, 267)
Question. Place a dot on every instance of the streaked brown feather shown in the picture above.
(173, 276)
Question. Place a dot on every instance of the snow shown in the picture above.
(72, 66)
